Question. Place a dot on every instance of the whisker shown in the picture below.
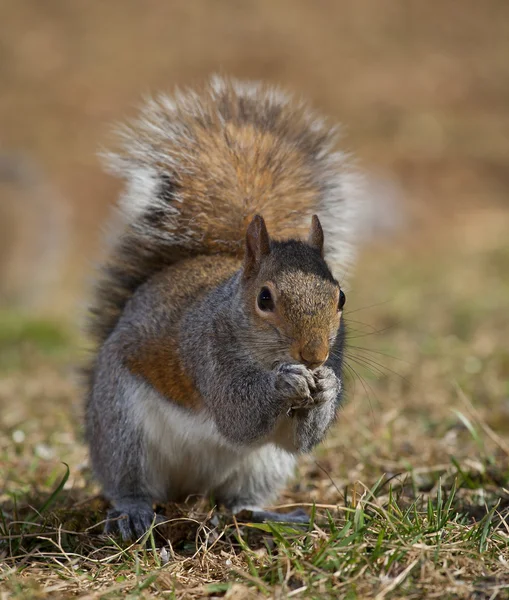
(353, 376)
(373, 362)
(368, 325)
(350, 312)
(369, 392)
(378, 352)
(377, 372)
(377, 331)
(381, 368)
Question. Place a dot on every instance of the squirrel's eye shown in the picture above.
(342, 299)
(265, 301)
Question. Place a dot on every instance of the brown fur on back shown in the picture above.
(198, 167)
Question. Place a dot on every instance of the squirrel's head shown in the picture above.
(291, 296)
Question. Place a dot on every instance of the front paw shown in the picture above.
(295, 384)
(327, 385)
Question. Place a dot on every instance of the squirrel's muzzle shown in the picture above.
(312, 354)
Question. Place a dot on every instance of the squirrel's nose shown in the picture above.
(313, 360)
(312, 365)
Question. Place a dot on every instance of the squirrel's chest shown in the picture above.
(185, 454)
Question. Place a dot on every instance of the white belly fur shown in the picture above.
(186, 453)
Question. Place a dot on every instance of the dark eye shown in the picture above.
(342, 299)
(265, 301)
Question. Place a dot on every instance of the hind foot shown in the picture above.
(131, 520)
(298, 516)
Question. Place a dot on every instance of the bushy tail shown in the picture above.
(199, 166)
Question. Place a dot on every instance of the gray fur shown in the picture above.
(260, 407)
(242, 447)
(233, 372)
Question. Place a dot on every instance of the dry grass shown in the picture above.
(409, 495)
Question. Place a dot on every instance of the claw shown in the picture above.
(131, 524)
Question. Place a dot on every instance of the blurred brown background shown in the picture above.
(422, 88)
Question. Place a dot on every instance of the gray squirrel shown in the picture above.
(219, 347)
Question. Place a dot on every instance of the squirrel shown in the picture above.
(217, 320)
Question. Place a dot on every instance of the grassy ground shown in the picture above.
(409, 495)
(410, 492)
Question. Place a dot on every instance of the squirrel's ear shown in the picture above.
(315, 238)
(257, 245)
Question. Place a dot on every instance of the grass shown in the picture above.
(409, 496)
